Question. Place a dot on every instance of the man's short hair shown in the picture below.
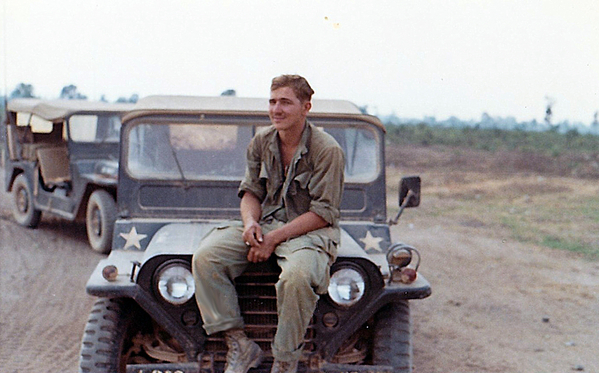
(297, 83)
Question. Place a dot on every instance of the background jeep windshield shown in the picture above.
(95, 128)
(217, 151)
(37, 124)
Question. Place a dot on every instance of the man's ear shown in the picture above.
(307, 106)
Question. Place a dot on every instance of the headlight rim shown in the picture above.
(156, 278)
(366, 293)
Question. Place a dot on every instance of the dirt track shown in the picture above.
(44, 306)
(497, 305)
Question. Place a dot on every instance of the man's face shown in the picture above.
(286, 110)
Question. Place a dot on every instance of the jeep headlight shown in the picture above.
(399, 257)
(175, 283)
(346, 287)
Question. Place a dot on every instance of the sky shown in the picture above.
(414, 59)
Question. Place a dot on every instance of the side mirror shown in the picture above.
(409, 195)
(409, 191)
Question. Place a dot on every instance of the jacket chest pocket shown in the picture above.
(271, 182)
(299, 185)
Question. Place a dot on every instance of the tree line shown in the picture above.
(503, 123)
(550, 142)
(68, 92)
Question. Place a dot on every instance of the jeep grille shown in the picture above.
(258, 303)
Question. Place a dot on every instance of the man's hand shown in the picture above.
(261, 246)
(252, 231)
(303, 224)
(263, 250)
(252, 234)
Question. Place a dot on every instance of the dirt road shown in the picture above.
(501, 306)
(497, 305)
(43, 306)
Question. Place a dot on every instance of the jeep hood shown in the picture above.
(184, 238)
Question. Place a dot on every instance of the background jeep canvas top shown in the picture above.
(57, 110)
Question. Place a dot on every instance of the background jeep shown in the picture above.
(182, 159)
(62, 158)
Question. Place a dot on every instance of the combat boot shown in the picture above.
(243, 353)
(284, 366)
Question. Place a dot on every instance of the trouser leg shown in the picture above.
(302, 271)
(220, 258)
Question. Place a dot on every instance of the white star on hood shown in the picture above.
(133, 238)
(371, 242)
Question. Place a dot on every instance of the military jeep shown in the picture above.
(181, 162)
(61, 158)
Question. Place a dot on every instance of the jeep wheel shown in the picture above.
(393, 337)
(23, 208)
(99, 220)
(105, 337)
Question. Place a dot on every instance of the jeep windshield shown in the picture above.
(95, 128)
(208, 151)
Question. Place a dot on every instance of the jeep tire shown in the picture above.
(393, 337)
(23, 207)
(99, 220)
(104, 337)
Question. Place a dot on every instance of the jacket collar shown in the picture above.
(303, 145)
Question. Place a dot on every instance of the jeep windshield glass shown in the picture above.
(213, 151)
(95, 128)
(217, 151)
(361, 147)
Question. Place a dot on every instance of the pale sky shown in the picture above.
(412, 58)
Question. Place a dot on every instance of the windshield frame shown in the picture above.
(105, 140)
(255, 122)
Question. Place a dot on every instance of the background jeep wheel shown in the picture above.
(105, 336)
(99, 220)
(23, 209)
(393, 337)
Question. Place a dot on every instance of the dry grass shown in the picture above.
(512, 198)
(569, 164)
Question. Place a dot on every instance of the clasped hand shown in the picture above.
(261, 246)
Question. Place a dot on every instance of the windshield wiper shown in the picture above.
(176, 158)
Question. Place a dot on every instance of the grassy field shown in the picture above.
(515, 195)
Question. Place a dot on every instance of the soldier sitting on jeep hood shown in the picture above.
(290, 199)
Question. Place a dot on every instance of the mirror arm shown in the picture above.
(402, 207)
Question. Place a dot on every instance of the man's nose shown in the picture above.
(276, 107)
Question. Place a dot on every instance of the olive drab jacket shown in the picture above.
(313, 182)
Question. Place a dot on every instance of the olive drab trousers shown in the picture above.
(222, 256)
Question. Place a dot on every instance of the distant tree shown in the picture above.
(103, 98)
(486, 120)
(132, 99)
(22, 90)
(548, 114)
(549, 111)
(229, 92)
(70, 92)
(595, 124)
(430, 120)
